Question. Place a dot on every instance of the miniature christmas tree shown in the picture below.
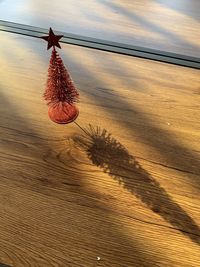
(60, 92)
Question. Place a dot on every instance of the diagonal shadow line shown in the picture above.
(134, 247)
(147, 24)
(113, 158)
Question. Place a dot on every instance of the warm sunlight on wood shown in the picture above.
(126, 192)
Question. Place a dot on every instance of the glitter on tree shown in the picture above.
(60, 92)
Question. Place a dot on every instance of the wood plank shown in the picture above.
(171, 26)
(131, 199)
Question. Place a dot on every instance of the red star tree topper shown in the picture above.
(60, 92)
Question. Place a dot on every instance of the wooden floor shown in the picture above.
(169, 25)
(125, 194)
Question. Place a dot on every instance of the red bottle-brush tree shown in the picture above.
(60, 92)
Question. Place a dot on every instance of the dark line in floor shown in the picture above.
(103, 45)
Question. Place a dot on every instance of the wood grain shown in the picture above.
(166, 25)
(128, 191)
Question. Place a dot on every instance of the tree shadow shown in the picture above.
(113, 158)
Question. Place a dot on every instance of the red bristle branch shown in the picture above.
(60, 87)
